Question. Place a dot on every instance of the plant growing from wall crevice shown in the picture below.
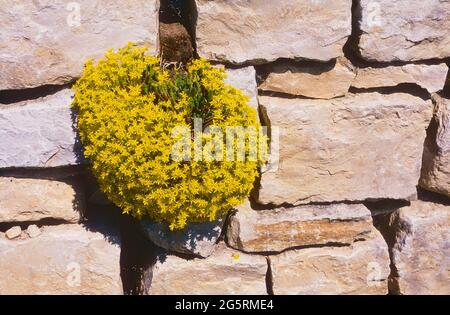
(128, 106)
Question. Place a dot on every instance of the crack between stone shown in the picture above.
(8, 97)
(407, 88)
(299, 247)
(269, 277)
(5, 226)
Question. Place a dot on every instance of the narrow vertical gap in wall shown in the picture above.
(446, 91)
(176, 27)
(383, 224)
(265, 121)
(429, 145)
(269, 277)
(383, 212)
(137, 258)
(191, 15)
(351, 48)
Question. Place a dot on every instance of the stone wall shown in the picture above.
(357, 98)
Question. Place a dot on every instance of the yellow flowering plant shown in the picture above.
(128, 107)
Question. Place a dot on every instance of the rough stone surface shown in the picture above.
(404, 30)
(279, 229)
(29, 199)
(39, 133)
(316, 80)
(226, 272)
(245, 80)
(47, 42)
(255, 31)
(366, 146)
(419, 251)
(362, 268)
(13, 232)
(430, 77)
(196, 238)
(436, 158)
(64, 259)
(33, 231)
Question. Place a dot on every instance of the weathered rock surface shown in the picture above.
(196, 238)
(225, 272)
(278, 229)
(419, 249)
(316, 80)
(362, 268)
(404, 30)
(29, 199)
(13, 232)
(430, 77)
(436, 158)
(48, 42)
(64, 259)
(39, 133)
(243, 31)
(33, 231)
(365, 146)
(245, 80)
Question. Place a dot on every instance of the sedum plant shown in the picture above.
(128, 109)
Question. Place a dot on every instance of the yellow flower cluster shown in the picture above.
(127, 108)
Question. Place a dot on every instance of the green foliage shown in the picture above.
(127, 109)
(181, 83)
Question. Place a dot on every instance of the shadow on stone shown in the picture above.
(197, 239)
(53, 173)
(408, 88)
(105, 220)
(77, 146)
(137, 257)
(385, 206)
(4, 226)
(17, 96)
(434, 197)
(283, 65)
